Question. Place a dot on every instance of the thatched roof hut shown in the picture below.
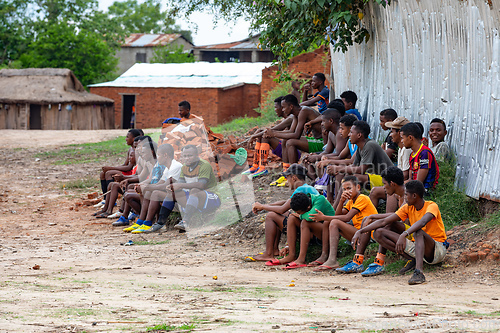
(50, 98)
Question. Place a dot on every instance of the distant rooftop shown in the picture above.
(150, 40)
(247, 43)
(189, 75)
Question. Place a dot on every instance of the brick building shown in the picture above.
(217, 92)
(304, 65)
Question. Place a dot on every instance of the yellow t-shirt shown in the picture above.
(434, 228)
(365, 207)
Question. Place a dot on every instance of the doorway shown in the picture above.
(35, 116)
(128, 111)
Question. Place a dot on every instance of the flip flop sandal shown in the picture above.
(274, 262)
(102, 216)
(98, 213)
(323, 268)
(294, 265)
(315, 263)
(249, 259)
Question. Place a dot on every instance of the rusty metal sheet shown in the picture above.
(430, 59)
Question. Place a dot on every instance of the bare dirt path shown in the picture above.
(88, 282)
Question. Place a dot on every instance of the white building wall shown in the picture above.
(430, 59)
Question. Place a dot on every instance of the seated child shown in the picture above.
(280, 220)
(426, 225)
(263, 145)
(423, 164)
(358, 207)
(191, 192)
(437, 133)
(106, 175)
(350, 98)
(153, 193)
(305, 205)
(390, 147)
(393, 179)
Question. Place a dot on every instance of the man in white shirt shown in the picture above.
(153, 194)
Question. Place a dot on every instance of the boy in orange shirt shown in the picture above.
(357, 207)
(426, 225)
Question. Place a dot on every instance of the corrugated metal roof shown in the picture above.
(149, 40)
(189, 75)
(248, 43)
(430, 59)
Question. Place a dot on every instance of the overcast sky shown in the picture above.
(206, 33)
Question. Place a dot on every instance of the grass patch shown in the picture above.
(169, 328)
(240, 126)
(86, 152)
(455, 206)
(151, 242)
(85, 183)
(492, 220)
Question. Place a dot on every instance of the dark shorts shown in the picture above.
(212, 202)
(278, 151)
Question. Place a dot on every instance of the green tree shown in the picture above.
(171, 54)
(146, 17)
(290, 27)
(63, 46)
(13, 33)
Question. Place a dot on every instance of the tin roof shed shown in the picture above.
(189, 75)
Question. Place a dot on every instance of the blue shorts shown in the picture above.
(212, 202)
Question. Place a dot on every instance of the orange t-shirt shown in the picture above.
(434, 228)
(365, 207)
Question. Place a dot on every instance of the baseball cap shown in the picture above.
(295, 169)
(397, 123)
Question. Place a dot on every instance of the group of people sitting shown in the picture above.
(325, 141)
(343, 160)
(152, 181)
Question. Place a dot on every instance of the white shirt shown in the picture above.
(404, 158)
(174, 171)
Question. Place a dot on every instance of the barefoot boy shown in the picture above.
(426, 225)
(358, 207)
(280, 220)
(305, 205)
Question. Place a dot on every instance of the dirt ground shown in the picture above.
(88, 281)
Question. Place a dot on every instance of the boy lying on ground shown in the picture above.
(279, 220)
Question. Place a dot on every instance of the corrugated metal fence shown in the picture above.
(430, 59)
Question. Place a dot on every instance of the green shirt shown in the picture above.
(320, 203)
(202, 170)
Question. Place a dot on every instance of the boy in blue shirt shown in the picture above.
(322, 97)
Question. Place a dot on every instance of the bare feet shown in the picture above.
(263, 257)
(324, 268)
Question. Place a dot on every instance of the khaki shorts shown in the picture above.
(375, 180)
(439, 251)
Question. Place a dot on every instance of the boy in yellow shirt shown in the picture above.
(358, 206)
(429, 236)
